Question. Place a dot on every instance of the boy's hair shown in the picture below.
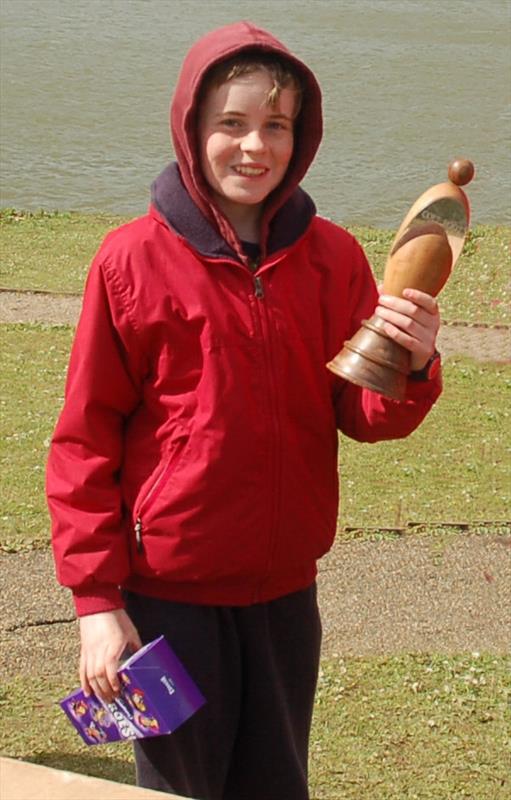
(282, 73)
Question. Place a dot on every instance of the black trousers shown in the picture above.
(257, 666)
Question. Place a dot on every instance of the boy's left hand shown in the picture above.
(412, 321)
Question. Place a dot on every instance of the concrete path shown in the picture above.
(484, 343)
(415, 594)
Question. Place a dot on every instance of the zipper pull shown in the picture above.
(259, 291)
(138, 535)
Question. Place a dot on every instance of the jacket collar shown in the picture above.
(172, 200)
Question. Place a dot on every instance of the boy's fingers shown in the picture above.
(408, 315)
(412, 301)
(108, 678)
(422, 299)
(99, 677)
(417, 327)
(112, 677)
(101, 686)
(406, 339)
(135, 642)
(403, 321)
(400, 305)
(84, 681)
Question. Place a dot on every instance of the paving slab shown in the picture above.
(21, 780)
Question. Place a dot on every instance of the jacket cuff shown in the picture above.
(425, 390)
(94, 600)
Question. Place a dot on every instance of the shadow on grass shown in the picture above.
(107, 768)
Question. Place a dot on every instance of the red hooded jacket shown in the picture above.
(195, 458)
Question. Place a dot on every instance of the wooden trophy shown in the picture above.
(423, 253)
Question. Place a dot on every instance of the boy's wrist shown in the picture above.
(428, 371)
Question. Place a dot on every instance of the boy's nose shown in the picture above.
(253, 141)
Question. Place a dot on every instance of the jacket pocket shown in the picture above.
(148, 499)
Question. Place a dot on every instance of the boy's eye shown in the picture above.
(277, 125)
(231, 122)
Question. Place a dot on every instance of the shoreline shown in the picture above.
(14, 212)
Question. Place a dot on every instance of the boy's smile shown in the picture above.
(246, 145)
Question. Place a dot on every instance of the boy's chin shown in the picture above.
(248, 195)
(241, 203)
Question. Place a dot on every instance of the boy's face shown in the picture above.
(245, 144)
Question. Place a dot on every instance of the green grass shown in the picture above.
(479, 288)
(35, 729)
(32, 376)
(454, 468)
(49, 251)
(52, 251)
(412, 727)
(401, 728)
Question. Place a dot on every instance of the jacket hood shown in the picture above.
(207, 52)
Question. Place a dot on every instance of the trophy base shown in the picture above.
(372, 360)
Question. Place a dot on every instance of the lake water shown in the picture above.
(408, 84)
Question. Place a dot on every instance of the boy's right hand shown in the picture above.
(104, 638)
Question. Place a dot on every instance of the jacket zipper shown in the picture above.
(146, 503)
(259, 289)
(273, 407)
(138, 535)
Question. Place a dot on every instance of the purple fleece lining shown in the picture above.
(170, 197)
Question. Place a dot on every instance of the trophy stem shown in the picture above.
(372, 360)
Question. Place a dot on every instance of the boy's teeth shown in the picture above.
(250, 170)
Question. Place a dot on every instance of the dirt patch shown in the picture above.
(477, 341)
(54, 309)
(416, 595)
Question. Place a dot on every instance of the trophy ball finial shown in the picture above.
(461, 171)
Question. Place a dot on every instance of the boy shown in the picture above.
(192, 477)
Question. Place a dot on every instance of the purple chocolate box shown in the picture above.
(157, 696)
